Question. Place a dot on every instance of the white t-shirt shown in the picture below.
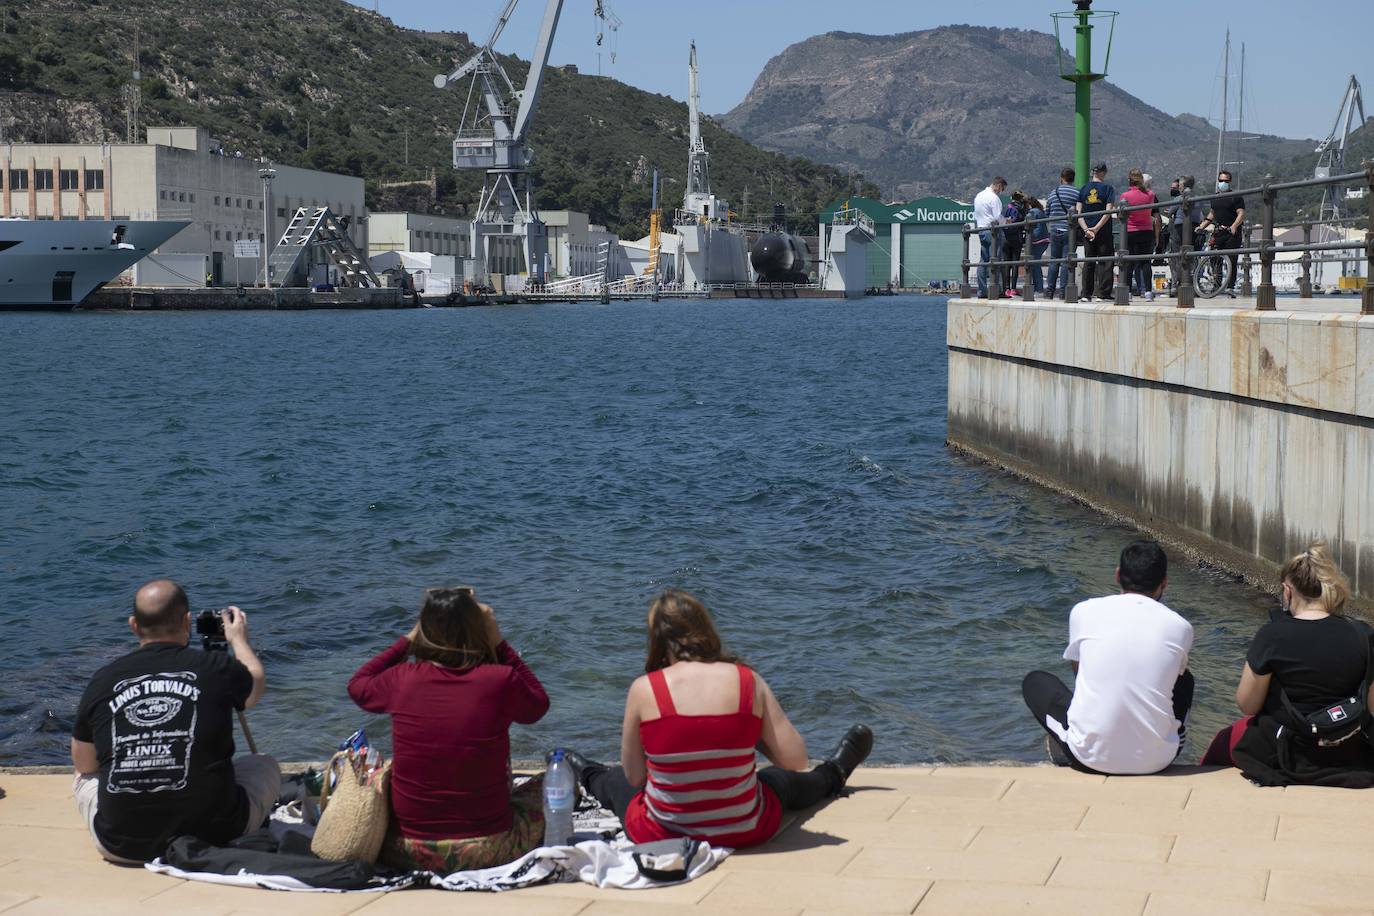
(987, 208)
(1130, 650)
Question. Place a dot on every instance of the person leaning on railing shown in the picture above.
(1227, 214)
(1061, 201)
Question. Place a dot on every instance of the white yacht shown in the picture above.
(47, 264)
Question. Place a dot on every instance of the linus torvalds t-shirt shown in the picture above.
(1130, 651)
(161, 720)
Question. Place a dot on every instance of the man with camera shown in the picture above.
(153, 741)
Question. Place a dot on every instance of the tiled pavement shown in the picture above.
(957, 840)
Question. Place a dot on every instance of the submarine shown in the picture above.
(778, 256)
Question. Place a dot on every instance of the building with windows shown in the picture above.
(179, 173)
(419, 232)
(916, 244)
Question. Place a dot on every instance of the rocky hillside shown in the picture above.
(323, 83)
(941, 111)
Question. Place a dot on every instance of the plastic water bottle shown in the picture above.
(560, 798)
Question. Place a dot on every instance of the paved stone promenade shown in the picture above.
(959, 840)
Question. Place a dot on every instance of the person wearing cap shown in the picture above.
(1096, 201)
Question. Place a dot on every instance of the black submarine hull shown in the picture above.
(780, 257)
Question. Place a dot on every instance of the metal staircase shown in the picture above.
(318, 228)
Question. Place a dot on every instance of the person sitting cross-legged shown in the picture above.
(1128, 710)
(692, 725)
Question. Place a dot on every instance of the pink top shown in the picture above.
(1139, 220)
(702, 783)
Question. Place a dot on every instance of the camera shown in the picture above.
(210, 628)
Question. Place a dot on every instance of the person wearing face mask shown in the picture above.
(1181, 185)
(1227, 214)
(1308, 658)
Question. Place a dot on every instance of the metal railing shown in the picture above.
(1185, 257)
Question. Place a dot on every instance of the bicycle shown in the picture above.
(1212, 270)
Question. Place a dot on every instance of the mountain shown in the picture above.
(941, 111)
(325, 84)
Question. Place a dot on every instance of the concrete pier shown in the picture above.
(1242, 434)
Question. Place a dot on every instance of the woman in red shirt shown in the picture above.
(453, 686)
(1142, 233)
(692, 725)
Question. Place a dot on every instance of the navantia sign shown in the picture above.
(934, 210)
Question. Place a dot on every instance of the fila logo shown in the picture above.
(1336, 713)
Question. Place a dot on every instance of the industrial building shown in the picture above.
(179, 173)
(419, 232)
(915, 244)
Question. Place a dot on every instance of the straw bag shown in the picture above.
(353, 816)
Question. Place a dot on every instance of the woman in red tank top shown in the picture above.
(692, 725)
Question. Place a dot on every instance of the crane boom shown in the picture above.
(529, 96)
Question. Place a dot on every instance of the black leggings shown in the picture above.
(1047, 697)
(796, 790)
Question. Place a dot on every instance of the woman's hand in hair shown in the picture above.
(494, 637)
(414, 632)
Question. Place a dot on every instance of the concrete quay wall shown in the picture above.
(1241, 434)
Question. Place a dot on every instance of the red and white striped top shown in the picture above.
(702, 781)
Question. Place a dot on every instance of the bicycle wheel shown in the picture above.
(1211, 275)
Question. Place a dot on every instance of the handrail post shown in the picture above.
(1185, 248)
(1246, 289)
(1305, 284)
(965, 290)
(1367, 294)
(1027, 286)
(996, 289)
(1123, 279)
(1071, 253)
(1264, 296)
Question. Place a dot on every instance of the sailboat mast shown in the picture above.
(1225, 98)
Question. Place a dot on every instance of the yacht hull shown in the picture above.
(56, 264)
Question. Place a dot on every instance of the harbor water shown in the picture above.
(784, 461)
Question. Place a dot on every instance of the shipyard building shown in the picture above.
(180, 173)
(915, 244)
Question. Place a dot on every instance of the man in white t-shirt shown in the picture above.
(987, 213)
(1132, 689)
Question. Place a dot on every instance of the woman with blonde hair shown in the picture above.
(453, 686)
(692, 725)
(1309, 664)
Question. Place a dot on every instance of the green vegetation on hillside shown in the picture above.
(324, 84)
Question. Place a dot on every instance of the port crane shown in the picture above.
(493, 135)
(1331, 159)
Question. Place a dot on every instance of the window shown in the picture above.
(216, 235)
(193, 197)
(95, 179)
(19, 180)
(161, 195)
(216, 200)
(69, 180)
(181, 197)
(42, 180)
(259, 205)
(281, 213)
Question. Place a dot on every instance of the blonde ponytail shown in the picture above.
(1315, 576)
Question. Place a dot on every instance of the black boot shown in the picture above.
(581, 766)
(852, 750)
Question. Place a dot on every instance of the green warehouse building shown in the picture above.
(917, 243)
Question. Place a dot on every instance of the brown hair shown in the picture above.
(1314, 575)
(681, 630)
(1136, 178)
(452, 631)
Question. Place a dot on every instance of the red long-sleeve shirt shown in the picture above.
(450, 775)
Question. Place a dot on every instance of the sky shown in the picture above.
(1299, 54)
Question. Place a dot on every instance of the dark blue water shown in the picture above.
(786, 462)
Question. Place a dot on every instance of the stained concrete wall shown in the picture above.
(1246, 434)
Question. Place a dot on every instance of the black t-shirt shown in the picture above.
(1224, 211)
(1318, 662)
(161, 720)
